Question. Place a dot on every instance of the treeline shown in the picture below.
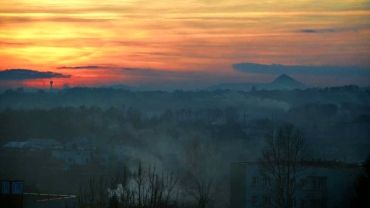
(120, 122)
(115, 123)
(161, 100)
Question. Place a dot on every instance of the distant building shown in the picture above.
(321, 184)
(75, 152)
(34, 144)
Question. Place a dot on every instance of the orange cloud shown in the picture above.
(194, 35)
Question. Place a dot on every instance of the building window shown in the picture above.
(254, 200)
(266, 201)
(267, 181)
(316, 203)
(5, 187)
(255, 181)
(314, 183)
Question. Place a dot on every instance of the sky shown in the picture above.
(189, 43)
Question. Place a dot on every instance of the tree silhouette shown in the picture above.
(199, 180)
(280, 164)
(362, 195)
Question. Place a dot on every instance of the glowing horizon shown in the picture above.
(196, 36)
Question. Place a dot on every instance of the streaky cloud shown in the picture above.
(120, 69)
(334, 30)
(315, 30)
(83, 67)
(28, 74)
(147, 73)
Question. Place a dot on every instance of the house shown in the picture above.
(319, 184)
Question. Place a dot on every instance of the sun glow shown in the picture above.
(195, 35)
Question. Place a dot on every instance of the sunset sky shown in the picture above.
(183, 43)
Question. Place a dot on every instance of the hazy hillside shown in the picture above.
(282, 82)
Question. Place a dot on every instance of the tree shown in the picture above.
(362, 195)
(94, 194)
(143, 187)
(280, 164)
(199, 177)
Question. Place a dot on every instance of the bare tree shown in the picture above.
(143, 187)
(281, 161)
(94, 194)
(199, 178)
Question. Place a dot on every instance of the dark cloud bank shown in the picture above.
(24, 74)
(304, 70)
(83, 67)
